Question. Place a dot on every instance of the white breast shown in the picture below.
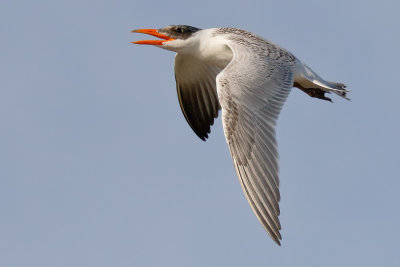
(212, 49)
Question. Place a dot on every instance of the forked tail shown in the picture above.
(313, 85)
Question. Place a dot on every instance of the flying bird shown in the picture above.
(249, 79)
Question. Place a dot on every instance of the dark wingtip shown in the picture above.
(203, 137)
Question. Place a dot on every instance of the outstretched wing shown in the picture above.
(196, 88)
(251, 91)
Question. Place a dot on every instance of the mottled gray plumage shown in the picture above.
(252, 90)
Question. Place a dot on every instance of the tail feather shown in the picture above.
(339, 89)
(312, 84)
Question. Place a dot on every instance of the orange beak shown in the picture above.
(155, 33)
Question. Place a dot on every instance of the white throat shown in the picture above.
(205, 46)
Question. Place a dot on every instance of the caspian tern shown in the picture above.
(249, 78)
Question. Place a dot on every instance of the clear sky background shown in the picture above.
(98, 166)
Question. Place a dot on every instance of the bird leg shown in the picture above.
(314, 92)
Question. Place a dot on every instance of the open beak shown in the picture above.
(155, 33)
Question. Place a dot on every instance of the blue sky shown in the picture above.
(98, 167)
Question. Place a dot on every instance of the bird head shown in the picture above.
(175, 37)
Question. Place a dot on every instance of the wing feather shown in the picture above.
(196, 89)
(252, 90)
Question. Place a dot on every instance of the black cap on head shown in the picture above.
(179, 31)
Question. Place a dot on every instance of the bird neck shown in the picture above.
(209, 48)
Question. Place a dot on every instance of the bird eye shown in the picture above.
(179, 29)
